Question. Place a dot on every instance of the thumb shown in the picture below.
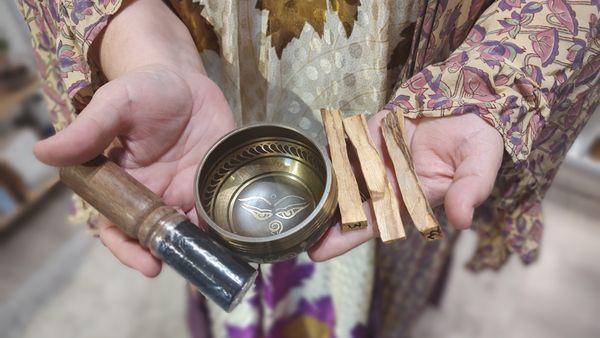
(91, 132)
(473, 183)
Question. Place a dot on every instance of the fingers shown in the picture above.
(335, 242)
(91, 132)
(458, 169)
(128, 251)
(464, 195)
(473, 182)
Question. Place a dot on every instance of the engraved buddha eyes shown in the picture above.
(290, 206)
(291, 210)
(258, 213)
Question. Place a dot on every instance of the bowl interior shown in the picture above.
(262, 183)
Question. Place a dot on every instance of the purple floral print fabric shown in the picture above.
(528, 68)
(519, 64)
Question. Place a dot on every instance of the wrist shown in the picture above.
(134, 39)
(191, 78)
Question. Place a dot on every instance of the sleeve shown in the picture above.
(62, 32)
(80, 23)
(523, 68)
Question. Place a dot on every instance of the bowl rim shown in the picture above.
(228, 235)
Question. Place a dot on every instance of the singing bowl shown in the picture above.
(266, 191)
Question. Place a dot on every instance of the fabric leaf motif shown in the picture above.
(589, 72)
(418, 83)
(250, 331)
(53, 10)
(477, 85)
(575, 53)
(564, 14)
(506, 5)
(545, 45)
(593, 27)
(283, 278)
(287, 18)
(311, 319)
(81, 9)
(202, 31)
(534, 72)
(513, 24)
(359, 331)
(400, 101)
(402, 49)
(476, 35)
(493, 52)
(531, 8)
(347, 12)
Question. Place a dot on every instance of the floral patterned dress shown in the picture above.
(528, 68)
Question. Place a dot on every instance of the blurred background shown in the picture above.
(56, 280)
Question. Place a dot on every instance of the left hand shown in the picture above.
(456, 160)
(165, 120)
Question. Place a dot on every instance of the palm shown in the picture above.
(174, 122)
(164, 123)
(456, 160)
(448, 149)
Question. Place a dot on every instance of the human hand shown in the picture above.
(456, 160)
(165, 122)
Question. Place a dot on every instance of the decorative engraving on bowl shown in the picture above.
(269, 205)
(286, 212)
(251, 152)
(254, 193)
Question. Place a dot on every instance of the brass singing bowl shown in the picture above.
(266, 191)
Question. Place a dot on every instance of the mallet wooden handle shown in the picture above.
(170, 236)
(118, 196)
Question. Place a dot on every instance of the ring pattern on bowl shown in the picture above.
(266, 191)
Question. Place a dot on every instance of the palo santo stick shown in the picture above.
(351, 211)
(385, 203)
(419, 209)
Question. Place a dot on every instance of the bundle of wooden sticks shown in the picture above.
(386, 205)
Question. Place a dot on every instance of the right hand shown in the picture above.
(165, 122)
(456, 159)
